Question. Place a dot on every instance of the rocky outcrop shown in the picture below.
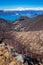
(6, 58)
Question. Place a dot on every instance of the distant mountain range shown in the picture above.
(29, 13)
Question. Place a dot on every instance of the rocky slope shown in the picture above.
(29, 43)
(29, 24)
(6, 57)
(26, 36)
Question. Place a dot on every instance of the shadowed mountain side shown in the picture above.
(5, 25)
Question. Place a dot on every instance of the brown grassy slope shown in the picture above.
(6, 58)
(29, 43)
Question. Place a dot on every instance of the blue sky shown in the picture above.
(9, 4)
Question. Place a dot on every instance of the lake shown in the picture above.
(10, 17)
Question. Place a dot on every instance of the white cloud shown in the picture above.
(21, 9)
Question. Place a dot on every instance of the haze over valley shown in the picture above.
(14, 15)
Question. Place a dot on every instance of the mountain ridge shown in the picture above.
(27, 24)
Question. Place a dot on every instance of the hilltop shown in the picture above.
(29, 24)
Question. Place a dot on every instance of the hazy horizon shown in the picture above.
(21, 4)
(22, 9)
